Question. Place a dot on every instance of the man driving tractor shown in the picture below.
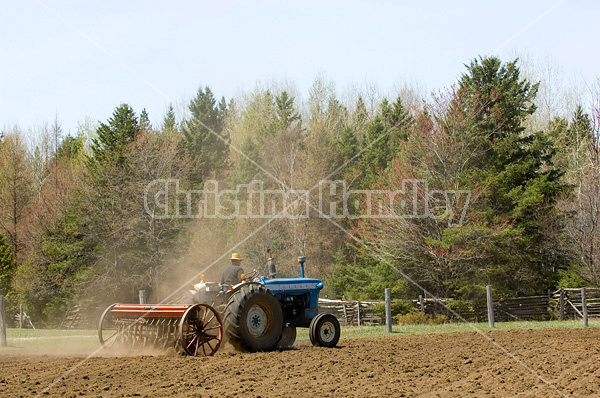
(233, 274)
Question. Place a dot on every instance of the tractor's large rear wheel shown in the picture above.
(253, 319)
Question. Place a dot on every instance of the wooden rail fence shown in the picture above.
(349, 312)
(562, 304)
(527, 308)
(568, 303)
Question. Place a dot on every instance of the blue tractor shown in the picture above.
(258, 314)
(262, 313)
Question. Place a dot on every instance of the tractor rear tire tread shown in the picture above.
(235, 327)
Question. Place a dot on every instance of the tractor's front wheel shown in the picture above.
(253, 319)
(324, 330)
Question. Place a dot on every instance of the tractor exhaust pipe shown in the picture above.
(271, 265)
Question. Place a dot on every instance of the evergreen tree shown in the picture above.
(286, 114)
(145, 124)
(71, 147)
(559, 134)
(108, 191)
(360, 118)
(204, 138)
(113, 137)
(358, 276)
(7, 266)
(246, 170)
(383, 137)
(518, 165)
(58, 268)
(169, 122)
(348, 143)
(580, 129)
(521, 183)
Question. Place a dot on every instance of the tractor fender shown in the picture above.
(240, 285)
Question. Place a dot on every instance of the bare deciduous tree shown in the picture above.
(583, 213)
(15, 189)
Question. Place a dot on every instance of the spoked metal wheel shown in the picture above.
(201, 330)
(108, 329)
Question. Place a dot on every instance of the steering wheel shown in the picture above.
(251, 276)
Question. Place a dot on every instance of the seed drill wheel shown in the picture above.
(108, 329)
(324, 330)
(201, 330)
(253, 319)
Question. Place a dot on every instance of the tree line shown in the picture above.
(74, 228)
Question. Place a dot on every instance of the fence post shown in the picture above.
(388, 310)
(20, 316)
(584, 307)
(358, 312)
(2, 323)
(142, 297)
(490, 306)
(421, 304)
(561, 305)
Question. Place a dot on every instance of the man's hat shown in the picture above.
(236, 256)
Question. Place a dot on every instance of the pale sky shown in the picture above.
(83, 58)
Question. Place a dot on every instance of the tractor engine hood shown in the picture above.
(284, 285)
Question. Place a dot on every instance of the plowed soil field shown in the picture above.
(544, 363)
